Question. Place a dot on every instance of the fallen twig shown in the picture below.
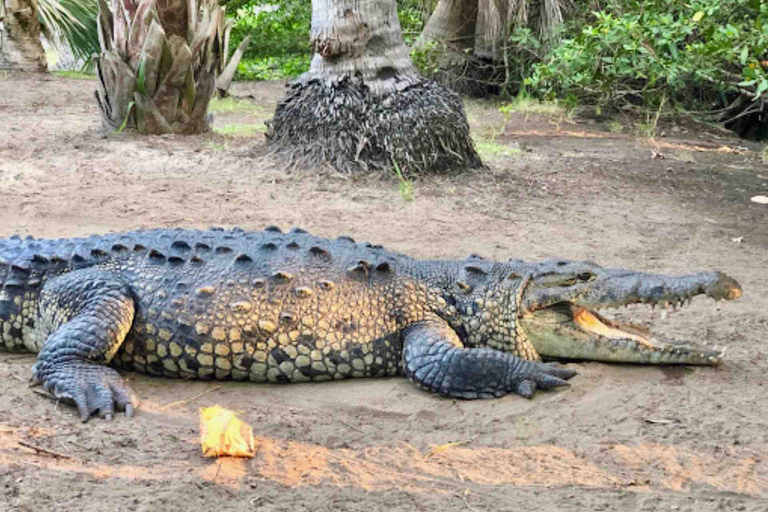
(180, 402)
(45, 450)
(463, 497)
(442, 447)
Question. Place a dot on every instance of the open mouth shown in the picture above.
(562, 321)
(569, 331)
(596, 324)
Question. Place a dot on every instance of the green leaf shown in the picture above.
(744, 55)
(747, 83)
(673, 50)
(761, 88)
(141, 79)
(125, 121)
(74, 21)
(697, 17)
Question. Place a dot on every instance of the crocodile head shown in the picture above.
(563, 311)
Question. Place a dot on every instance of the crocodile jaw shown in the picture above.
(572, 329)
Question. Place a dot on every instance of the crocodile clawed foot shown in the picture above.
(92, 388)
(542, 376)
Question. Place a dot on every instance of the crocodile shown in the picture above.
(273, 306)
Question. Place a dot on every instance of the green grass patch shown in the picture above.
(75, 74)
(405, 186)
(615, 127)
(273, 68)
(240, 130)
(524, 104)
(490, 149)
(219, 147)
(227, 105)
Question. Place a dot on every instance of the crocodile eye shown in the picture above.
(585, 276)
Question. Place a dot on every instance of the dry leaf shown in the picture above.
(223, 434)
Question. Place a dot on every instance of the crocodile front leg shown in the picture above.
(86, 314)
(435, 360)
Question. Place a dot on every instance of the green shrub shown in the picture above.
(647, 51)
(270, 68)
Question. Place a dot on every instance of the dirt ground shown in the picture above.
(622, 437)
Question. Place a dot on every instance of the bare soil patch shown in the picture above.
(622, 437)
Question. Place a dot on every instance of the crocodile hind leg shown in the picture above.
(434, 359)
(86, 315)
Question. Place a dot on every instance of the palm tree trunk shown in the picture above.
(362, 105)
(453, 29)
(20, 47)
(453, 24)
(492, 29)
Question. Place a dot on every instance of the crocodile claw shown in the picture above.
(92, 388)
(543, 376)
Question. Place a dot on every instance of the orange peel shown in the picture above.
(223, 434)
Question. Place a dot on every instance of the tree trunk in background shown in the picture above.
(477, 66)
(452, 23)
(20, 47)
(362, 105)
(493, 24)
(158, 64)
(454, 28)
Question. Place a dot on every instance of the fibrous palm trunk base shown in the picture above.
(420, 128)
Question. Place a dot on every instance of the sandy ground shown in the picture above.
(621, 438)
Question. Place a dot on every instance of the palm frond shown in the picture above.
(74, 21)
